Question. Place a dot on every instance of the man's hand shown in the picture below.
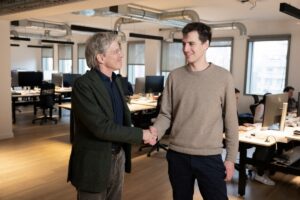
(149, 137)
(229, 166)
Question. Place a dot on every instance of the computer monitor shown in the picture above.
(57, 79)
(14, 78)
(154, 84)
(69, 79)
(275, 111)
(31, 79)
(126, 86)
(139, 85)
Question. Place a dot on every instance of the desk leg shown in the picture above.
(72, 126)
(13, 106)
(242, 170)
(59, 102)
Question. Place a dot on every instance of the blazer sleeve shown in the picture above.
(93, 113)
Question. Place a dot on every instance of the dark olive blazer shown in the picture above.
(95, 130)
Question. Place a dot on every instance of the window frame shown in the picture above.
(257, 38)
(139, 64)
(58, 58)
(231, 39)
(78, 65)
(47, 57)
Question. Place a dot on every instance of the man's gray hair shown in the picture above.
(98, 44)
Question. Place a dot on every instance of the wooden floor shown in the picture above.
(33, 166)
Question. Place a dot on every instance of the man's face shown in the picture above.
(290, 93)
(112, 58)
(193, 49)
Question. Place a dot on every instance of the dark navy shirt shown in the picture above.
(116, 98)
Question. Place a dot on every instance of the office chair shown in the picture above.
(148, 122)
(46, 101)
(255, 98)
(253, 107)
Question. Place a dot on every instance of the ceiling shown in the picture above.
(212, 11)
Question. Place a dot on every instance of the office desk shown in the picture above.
(16, 95)
(246, 141)
(35, 93)
(62, 91)
(132, 107)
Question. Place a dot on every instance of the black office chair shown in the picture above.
(148, 122)
(253, 107)
(46, 101)
(255, 98)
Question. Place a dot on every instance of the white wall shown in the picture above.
(24, 58)
(5, 105)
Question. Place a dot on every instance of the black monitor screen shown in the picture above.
(69, 79)
(31, 79)
(154, 84)
(273, 110)
(57, 79)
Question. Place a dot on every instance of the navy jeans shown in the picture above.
(209, 171)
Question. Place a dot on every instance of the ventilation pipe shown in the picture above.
(192, 15)
(46, 26)
(235, 25)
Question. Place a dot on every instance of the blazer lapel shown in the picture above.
(101, 92)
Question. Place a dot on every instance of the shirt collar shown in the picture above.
(104, 77)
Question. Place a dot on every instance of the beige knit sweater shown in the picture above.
(196, 104)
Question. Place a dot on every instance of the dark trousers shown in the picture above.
(263, 156)
(209, 171)
(115, 182)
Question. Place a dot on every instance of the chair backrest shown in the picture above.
(255, 98)
(253, 107)
(47, 95)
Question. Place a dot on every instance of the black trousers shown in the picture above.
(209, 171)
(263, 156)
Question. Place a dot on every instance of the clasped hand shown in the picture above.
(150, 136)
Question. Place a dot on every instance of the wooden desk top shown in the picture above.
(132, 107)
(259, 137)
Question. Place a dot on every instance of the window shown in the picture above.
(267, 64)
(47, 59)
(65, 58)
(220, 52)
(135, 61)
(82, 65)
(172, 57)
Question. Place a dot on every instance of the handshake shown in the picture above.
(150, 136)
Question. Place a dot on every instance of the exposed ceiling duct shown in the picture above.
(234, 25)
(40, 29)
(130, 13)
(14, 6)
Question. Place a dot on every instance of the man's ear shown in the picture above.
(99, 58)
(206, 44)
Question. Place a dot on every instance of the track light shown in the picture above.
(20, 38)
(57, 41)
(40, 46)
(152, 37)
(290, 10)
